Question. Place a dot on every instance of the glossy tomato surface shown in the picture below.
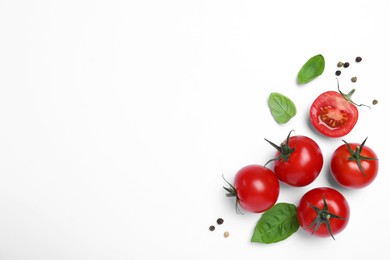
(256, 187)
(332, 115)
(347, 172)
(303, 165)
(336, 211)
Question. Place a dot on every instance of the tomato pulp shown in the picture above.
(333, 115)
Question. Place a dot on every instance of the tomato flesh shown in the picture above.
(332, 115)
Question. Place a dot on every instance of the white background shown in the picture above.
(118, 119)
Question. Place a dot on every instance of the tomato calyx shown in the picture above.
(231, 192)
(284, 149)
(323, 216)
(349, 95)
(356, 155)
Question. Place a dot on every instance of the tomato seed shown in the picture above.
(354, 79)
(340, 64)
(358, 59)
(338, 73)
(211, 228)
(226, 234)
(374, 102)
(220, 221)
(346, 65)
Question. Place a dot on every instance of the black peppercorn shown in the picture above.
(338, 73)
(358, 59)
(346, 65)
(211, 228)
(220, 221)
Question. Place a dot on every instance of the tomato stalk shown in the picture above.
(357, 157)
(323, 216)
(284, 149)
(349, 95)
(231, 192)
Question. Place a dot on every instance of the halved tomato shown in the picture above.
(333, 114)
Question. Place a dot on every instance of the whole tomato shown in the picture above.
(323, 212)
(298, 160)
(255, 188)
(354, 165)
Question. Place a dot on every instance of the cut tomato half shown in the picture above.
(333, 115)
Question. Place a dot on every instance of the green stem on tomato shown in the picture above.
(356, 155)
(232, 192)
(323, 216)
(349, 95)
(284, 149)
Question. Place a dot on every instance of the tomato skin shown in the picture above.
(257, 188)
(337, 205)
(332, 108)
(303, 165)
(347, 173)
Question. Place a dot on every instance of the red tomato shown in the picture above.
(298, 161)
(256, 188)
(323, 212)
(354, 165)
(333, 115)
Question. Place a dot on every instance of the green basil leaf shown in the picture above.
(276, 224)
(311, 69)
(282, 108)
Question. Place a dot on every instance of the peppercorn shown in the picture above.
(358, 59)
(211, 228)
(338, 73)
(374, 102)
(226, 234)
(340, 64)
(346, 65)
(354, 79)
(220, 221)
